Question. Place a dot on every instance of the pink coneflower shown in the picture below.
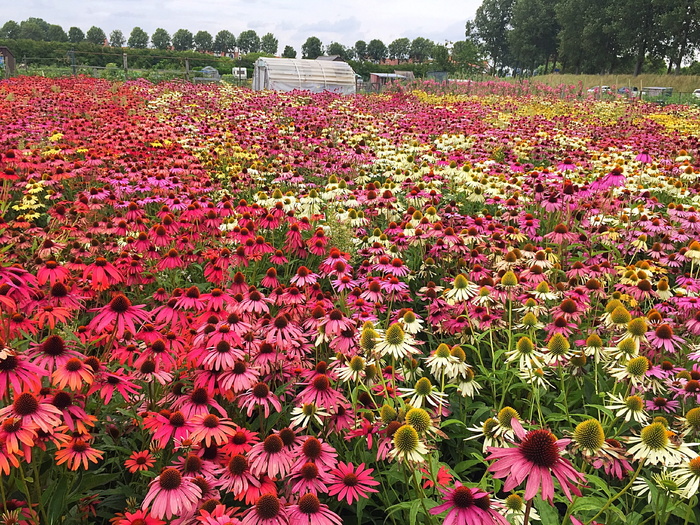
(239, 378)
(17, 373)
(261, 397)
(103, 274)
(268, 510)
(236, 477)
(304, 277)
(316, 451)
(139, 461)
(309, 478)
(535, 459)
(198, 402)
(320, 392)
(16, 436)
(121, 314)
(561, 235)
(643, 157)
(468, 506)
(310, 511)
(27, 407)
(270, 457)
(351, 483)
(664, 338)
(171, 495)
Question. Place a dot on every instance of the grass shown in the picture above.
(680, 83)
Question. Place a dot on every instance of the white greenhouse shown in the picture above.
(286, 74)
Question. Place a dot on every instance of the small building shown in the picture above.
(240, 73)
(8, 66)
(331, 58)
(377, 81)
(287, 74)
(407, 74)
(207, 74)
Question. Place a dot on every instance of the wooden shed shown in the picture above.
(287, 74)
(8, 66)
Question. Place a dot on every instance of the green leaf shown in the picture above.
(548, 512)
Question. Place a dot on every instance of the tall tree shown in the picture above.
(361, 50)
(10, 29)
(224, 42)
(421, 49)
(95, 35)
(533, 39)
(338, 49)
(31, 30)
(638, 25)
(75, 35)
(138, 38)
(467, 56)
(492, 20)
(681, 24)
(289, 52)
(56, 33)
(182, 40)
(312, 48)
(203, 41)
(441, 58)
(248, 42)
(116, 38)
(269, 44)
(376, 50)
(399, 49)
(160, 39)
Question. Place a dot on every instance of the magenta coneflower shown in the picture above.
(171, 495)
(351, 483)
(121, 314)
(18, 373)
(320, 392)
(535, 459)
(664, 338)
(308, 478)
(316, 451)
(309, 510)
(465, 505)
(139, 517)
(261, 397)
(167, 427)
(241, 442)
(268, 510)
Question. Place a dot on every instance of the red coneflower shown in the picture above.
(210, 428)
(73, 374)
(259, 396)
(167, 427)
(139, 461)
(139, 517)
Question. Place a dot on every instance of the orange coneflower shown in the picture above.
(76, 453)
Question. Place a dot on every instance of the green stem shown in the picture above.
(619, 494)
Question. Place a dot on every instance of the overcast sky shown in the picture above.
(292, 22)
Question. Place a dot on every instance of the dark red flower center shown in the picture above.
(148, 367)
(287, 435)
(261, 390)
(9, 363)
(210, 421)
(237, 465)
(25, 404)
(309, 471)
(53, 346)
(463, 497)
(309, 504)
(74, 364)
(177, 419)
(350, 479)
(120, 304)
(193, 463)
(267, 506)
(273, 444)
(170, 479)
(540, 447)
(239, 438)
(62, 400)
(199, 396)
(321, 383)
(312, 448)
(158, 346)
(664, 332)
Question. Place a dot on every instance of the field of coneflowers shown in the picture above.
(226, 307)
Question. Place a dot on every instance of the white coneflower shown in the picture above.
(690, 424)
(543, 292)
(408, 446)
(466, 385)
(411, 323)
(537, 377)
(659, 446)
(624, 351)
(687, 475)
(423, 393)
(487, 432)
(304, 414)
(526, 354)
(396, 343)
(462, 290)
(513, 510)
(441, 361)
(634, 371)
(630, 408)
(352, 370)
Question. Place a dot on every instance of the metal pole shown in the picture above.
(187, 69)
(73, 65)
(126, 67)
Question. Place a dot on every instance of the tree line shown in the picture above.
(587, 36)
(464, 55)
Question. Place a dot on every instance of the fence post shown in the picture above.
(187, 69)
(126, 66)
(73, 65)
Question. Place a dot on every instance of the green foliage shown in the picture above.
(138, 39)
(116, 38)
(289, 52)
(203, 41)
(96, 36)
(400, 49)
(269, 44)
(312, 48)
(160, 39)
(182, 40)
(376, 50)
(421, 49)
(249, 42)
(75, 35)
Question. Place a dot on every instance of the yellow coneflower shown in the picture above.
(407, 445)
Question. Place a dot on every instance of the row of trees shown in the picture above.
(181, 40)
(587, 36)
